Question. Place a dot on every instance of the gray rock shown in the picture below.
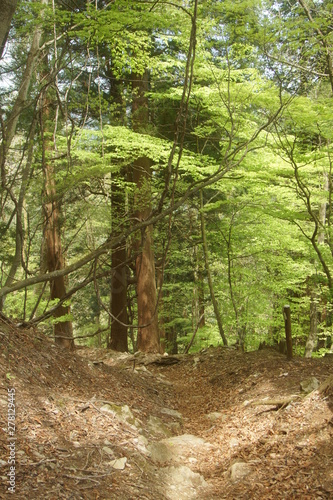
(233, 442)
(172, 413)
(121, 413)
(118, 464)
(108, 451)
(173, 449)
(239, 470)
(215, 415)
(141, 444)
(181, 483)
(157, 427)
(310, 384)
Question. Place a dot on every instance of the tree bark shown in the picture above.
(7, 9)
(209, 275)
(312, 337)
(119, 318)
(54, 259)
(287, 324)
(148, 331)
(20, 102)
(119, 315)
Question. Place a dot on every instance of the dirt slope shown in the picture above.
(71, 443)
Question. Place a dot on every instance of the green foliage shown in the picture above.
(263, 215)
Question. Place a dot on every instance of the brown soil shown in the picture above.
(65, 444)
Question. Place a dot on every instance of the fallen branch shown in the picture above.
(325, 385)
(279, 403)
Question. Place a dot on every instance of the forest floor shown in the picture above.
(95, 424)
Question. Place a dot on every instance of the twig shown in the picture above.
(43, 461)
(84, 478)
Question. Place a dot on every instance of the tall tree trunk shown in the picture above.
(20, 102)
(148, 330)
(7, 9)
(209, 275)
(161, 319)
(119, 318)
(54, 259)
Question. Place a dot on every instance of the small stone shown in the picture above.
(215, 415)
(310, 384)
(239, 470)
(233, 442)
(172, 413)
(119, 464)
(108, 450)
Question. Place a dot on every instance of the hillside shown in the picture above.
(100, 425)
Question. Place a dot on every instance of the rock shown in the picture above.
(233, 442)
(215, 415)
(141, 444)
(172, 413)
(180, 482)
(119, 464)
(157, 427)
(239, 470)
(3, 463)
(310, 384)
(161, 452)
(108, 450)
(122, 413)
(173, 449)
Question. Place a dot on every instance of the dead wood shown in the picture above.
(279, 403)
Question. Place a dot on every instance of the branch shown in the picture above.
(156, 216)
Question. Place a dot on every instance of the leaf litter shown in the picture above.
(85, 421)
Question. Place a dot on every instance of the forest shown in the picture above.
(166, 172)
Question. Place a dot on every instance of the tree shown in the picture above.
(7, 9)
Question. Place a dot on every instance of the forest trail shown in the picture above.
(101, 425)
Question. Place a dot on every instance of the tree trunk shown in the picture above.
(209, 276)
(312, 337)
(322, 212)
(20, 102)
(53, 255)
(7, 9)
(19, 231)
(119, 319)
(148, 331)
(159, 280)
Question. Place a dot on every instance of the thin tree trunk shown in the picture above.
(322, 212)
(209, 275)
(20, 102)
(19, 203)
(312, 337)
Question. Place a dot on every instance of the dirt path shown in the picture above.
(98, 425)
(288, 452)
